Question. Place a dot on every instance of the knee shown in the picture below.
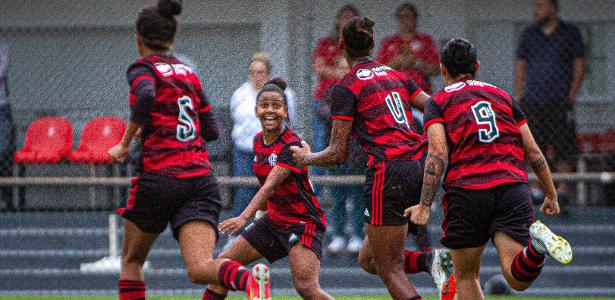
(366, 263)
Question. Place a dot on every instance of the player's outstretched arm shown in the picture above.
(335, 154)
(119, 152)
(435, 163)
(259, 202)
(539, 164)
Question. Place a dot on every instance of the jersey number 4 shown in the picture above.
(396, 107)
(185, 129)
(484, 115)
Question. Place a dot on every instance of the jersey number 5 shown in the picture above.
(484, 115)
(185, 129)
(396, 107)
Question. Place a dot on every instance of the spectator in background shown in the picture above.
(409, 51)
(549, 69)
(246, 125)
(329, 66)
(7, 128)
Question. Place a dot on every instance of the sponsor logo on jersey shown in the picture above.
(365, 74)
(167, 70)
(455, 87)
(272, 159)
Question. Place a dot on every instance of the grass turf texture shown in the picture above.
(238, 297)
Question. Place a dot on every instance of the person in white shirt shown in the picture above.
(246, 125)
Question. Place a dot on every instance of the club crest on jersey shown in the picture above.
(365, 74)
(272, 159)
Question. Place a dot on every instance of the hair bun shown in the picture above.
(169, 8)
(366, 24)
(279, 82)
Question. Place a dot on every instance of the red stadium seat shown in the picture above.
(48, 141)
(98, 136)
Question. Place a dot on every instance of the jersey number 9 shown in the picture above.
(185, 129)
(484, 115)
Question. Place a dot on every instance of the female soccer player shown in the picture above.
(486, 192)
(176, 184)
(294, 223)
(373, 101)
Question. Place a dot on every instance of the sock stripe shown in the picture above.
(243, 280)
(131, 290)
(523, 272)
(533, 254)
(211, 295)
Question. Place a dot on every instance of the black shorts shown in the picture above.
(391, 187)
(274, 243)
(156, 200)
(471, 217)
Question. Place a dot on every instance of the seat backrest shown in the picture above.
(50, 134)
(102, 133)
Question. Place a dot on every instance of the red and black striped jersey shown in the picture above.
(482, 127)
(377, 99)
(171, 139)
(293, 202)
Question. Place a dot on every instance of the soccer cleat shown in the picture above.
(258, 287)
(354, 245)
(337, 245)
(442, 272)
(549, 244)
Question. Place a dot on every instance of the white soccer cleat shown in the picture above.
(549, 244)
(441, 270)
(354, 245)
(336, 245)
(258, 287)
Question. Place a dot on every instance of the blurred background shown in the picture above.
(68, 59)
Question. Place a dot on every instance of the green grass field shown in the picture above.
(239, 297)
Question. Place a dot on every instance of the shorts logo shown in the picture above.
(365, 74)
(249, 226)
(366, 213)
(293, 238)
(272, 159)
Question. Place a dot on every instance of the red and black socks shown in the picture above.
(234, 276)
(131, 290)
(416, 262)
(527, 264)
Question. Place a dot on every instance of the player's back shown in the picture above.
(172, 144)
(482, 125)
(378, 100)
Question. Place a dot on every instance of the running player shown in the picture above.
(176, 184)
(294, 223)
(483, 136)
(373, 101)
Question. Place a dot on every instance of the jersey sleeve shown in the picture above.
(431, 51)
(518, 113)
(523, 47)
(143, 86)
(285, 159)
(577, 47)
(343, 103)
(209, 125)
(433, 114)
(413, 89)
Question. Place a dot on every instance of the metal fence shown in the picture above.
(74, 68)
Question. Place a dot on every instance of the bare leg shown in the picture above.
(507, 250)
(366, 259)
(197, 240)
(305, 269)
(240, 251)
(389, 240)
(135, 247)
(467, 272)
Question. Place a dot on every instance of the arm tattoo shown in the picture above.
(539, 164)
(434, 167)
